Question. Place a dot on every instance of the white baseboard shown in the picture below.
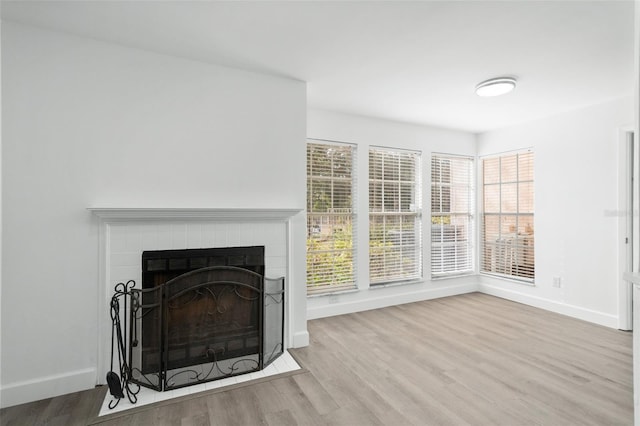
(578, 312)
(355, 302)
(382, 298)
(300, 339)
(47, 387)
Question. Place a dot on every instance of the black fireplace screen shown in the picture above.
(215, 315)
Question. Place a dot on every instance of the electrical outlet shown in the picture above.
(557, 282)
(333, 299)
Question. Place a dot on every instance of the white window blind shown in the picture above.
(452, 202)
(507, 219)
(330, 217)
(395, 232)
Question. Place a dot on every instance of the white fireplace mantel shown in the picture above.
(185, 213)
(119, 254)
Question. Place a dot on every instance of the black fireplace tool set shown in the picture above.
(119, 385)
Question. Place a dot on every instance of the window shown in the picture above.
(507, 219)
(452, 201)
(395, 234)
(330, 217)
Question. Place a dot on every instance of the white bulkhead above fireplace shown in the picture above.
(126, 232)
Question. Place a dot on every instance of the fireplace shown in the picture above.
(124, 233)
(202, 315)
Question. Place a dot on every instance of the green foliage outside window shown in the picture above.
(330, 257)
(441, 220)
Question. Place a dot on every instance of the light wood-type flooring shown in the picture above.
(464, 360)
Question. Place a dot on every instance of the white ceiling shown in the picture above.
(414, 61)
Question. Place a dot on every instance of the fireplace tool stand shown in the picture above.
(119, 385)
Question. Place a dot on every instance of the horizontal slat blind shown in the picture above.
(452, 195)
(395, 232)
(330, 217)
(507, 222)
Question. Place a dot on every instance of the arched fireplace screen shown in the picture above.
(209, 323)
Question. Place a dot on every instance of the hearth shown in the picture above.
(202, 315)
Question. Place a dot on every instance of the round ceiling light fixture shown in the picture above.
(496, 87)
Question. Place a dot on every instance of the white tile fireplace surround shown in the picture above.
(126, 232)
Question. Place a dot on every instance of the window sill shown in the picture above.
(509, 278)
(451, 276)
(333, 293)
(395, 284)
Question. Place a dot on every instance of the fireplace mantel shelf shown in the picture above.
(198, 213)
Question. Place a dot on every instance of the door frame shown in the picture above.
(628, 222)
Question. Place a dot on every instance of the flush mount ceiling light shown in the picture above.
(496, 86)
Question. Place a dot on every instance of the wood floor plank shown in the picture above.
(281, 418)
(472, 359)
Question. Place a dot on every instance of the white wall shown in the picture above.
(576, 205)
(366, 132)
(90, 124)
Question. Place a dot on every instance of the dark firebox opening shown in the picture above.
(160, 266)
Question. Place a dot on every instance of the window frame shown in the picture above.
(331, 217)
(467, 216)
(527, 244)
(413, 249)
